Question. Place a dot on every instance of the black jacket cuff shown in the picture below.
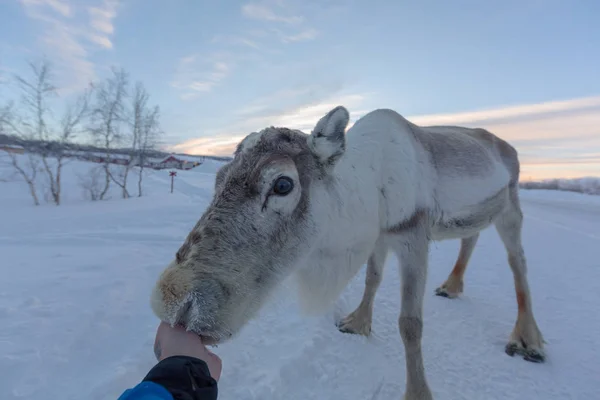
(186, 378)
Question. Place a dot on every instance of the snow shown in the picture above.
(189, 158)
(588, 185)
(76, 321)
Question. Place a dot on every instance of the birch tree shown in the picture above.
(28, 125)
(108, 116)
(44, 138)
(145, 130)
(26, 165)
(148, 141)
(70, 126)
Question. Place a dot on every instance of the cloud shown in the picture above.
(550, 144)
(101, 40)
(554, 139)
(271, 103)
(101, 17)
(280, 101)
(307, 34)
(302, 117)
(101, 22)
(217, 146)
(69, 56)
(274, 22)
(68, 40)
(508, 112)
(59, 6)
(265, 13)
(192, 80)
(236, 40)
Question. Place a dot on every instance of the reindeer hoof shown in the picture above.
(511, 349)
(531, 355)
(450, 289)
(345, 329)
(534, 356)
(352, 326)
(444, 292)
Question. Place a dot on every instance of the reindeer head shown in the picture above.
(261, 222)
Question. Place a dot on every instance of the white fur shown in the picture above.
(250, 141)
(335, 122)
(386, 184)
(381, 151)
(396, 187)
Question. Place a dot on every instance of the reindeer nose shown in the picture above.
(191, 318)
(201, 306)
(183, 315)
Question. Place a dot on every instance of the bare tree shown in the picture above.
(145, 130)
(32, 125)
(90, 183)
(28, 171)
(5, 156)
(108, 116)
(26, 166)
(45, 139)
(148, 141)
(139, 105)
(139, 101)
(70, 125)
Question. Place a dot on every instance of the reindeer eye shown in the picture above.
(283, 186)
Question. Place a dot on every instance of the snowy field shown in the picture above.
(76, 323)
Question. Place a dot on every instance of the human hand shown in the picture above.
(176, 341)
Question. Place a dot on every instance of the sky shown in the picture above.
(527, 70)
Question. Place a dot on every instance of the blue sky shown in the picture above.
(529, 70)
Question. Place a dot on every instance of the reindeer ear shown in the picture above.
(328, 139)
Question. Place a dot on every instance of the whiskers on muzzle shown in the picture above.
(191, 317)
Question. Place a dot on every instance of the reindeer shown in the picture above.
(318, 207)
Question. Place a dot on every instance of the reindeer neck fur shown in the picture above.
(374, 185)
(391, 169)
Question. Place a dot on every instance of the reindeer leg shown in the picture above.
(454, 284)
(359, 321)
(526, 338)
(413, 252)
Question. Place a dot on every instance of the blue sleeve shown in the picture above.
(175, 377)
(146, 391)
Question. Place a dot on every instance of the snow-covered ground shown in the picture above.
(75, 322)
(587, 185)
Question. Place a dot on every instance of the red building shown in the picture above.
(9, 148)
(178, 162)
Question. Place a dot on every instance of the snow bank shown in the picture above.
(76, 321)
(587, 185)
(559, 196)
(77, 176)
(209, 166)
